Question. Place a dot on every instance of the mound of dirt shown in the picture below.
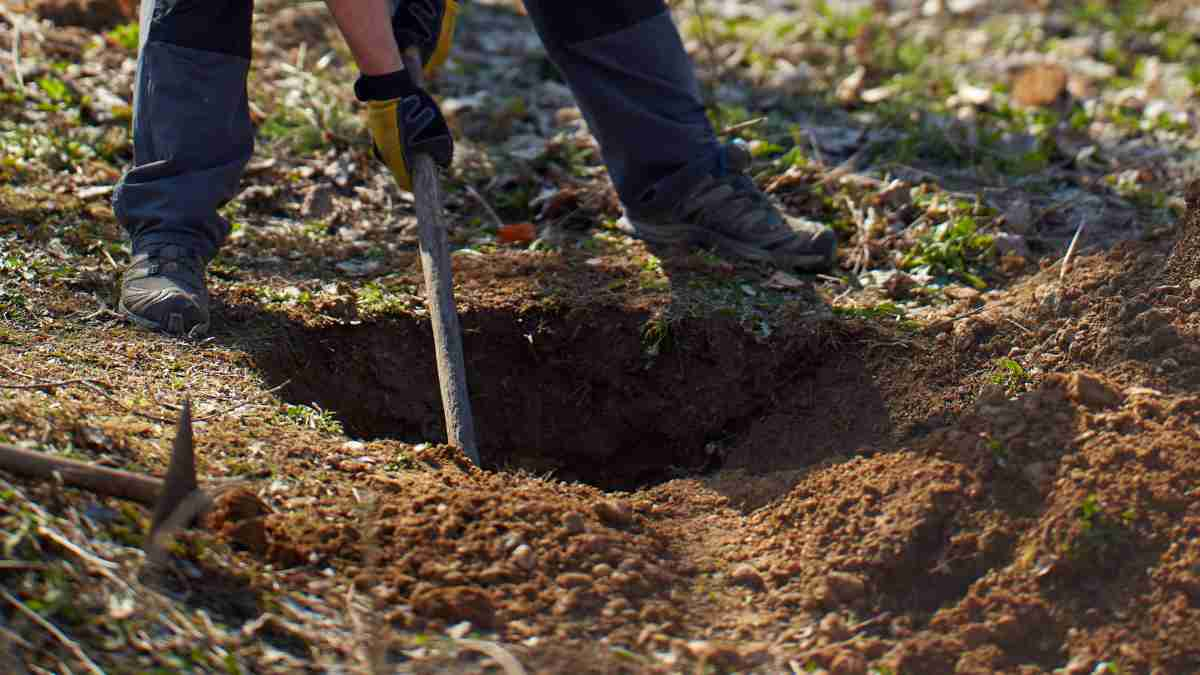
(1183, 268)
(525, 556)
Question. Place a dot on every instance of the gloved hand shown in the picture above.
(427, 25)
(404, 121)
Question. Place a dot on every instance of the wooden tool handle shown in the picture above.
(439, 291)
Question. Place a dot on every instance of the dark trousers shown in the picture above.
(623, 59)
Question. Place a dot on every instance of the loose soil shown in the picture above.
(686, 470)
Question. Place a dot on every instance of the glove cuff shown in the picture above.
(386, 87)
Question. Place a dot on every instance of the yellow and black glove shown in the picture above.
(404, 121)
(427, 25)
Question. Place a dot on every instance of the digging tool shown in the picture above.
(439, 292)
(165, 495)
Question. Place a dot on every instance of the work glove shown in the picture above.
(404, 121)
(427, 25)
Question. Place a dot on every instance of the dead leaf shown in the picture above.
(783, 281)
(1040, 85)
(848, 90)
(517, 233)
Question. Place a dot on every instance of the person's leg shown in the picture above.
(625, 62)
(192, 137)
(192, 134)
(636, 86)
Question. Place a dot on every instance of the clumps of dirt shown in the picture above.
(873, 534)
(240, 516)
(1183, 268)
(508, 552)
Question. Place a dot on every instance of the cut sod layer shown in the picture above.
(615, 398)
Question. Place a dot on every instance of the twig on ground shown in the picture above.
(1066, 264)
(89, 558)
(50, 628)
(45, 385)
(1018, 325)
(864, 238)
(95, 385)
(486, 206)
(816, 148)
(502, 656)
(733, 129)
(222, 412)
(15, 53)
(848, 166)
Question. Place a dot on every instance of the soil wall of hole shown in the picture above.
(1183, 267)
(578, 393)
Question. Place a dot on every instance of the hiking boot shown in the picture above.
(732, 215)
(163, 289)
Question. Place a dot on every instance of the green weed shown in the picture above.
(125, 35)
(1010, 375)
(1100, 533)
(954, 248)
(656, 337)
(376, 299)
(312, 417)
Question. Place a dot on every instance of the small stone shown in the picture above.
(961, 292)
(614, 513)
(251, 534)
(1040, 85)
(848, 663)
(602, 570)
(318, 203)
(833, 626)
(494, 574)
(573, 580)
(845, 587)
(573, 522)
(1091, 391)
(746, 575)
(1018, 217)
(523, 557)
(456, 603)
(1079, 665)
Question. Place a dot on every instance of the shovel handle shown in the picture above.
(439, 291)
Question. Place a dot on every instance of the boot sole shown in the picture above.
(692, 234)
(196, 331)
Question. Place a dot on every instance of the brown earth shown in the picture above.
(667, 488)
(1017, 533)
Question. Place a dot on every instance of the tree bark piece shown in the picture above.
(98, 479)
(439, 290)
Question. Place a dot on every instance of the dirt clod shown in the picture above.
(456, 603)
(844, 588)
(749, 577)
(1091, 391)
(616, 513)
(573, 523)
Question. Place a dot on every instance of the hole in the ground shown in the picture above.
(611, 398)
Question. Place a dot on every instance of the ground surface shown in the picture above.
(955, 453)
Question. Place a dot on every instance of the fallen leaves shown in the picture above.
(516, 233)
